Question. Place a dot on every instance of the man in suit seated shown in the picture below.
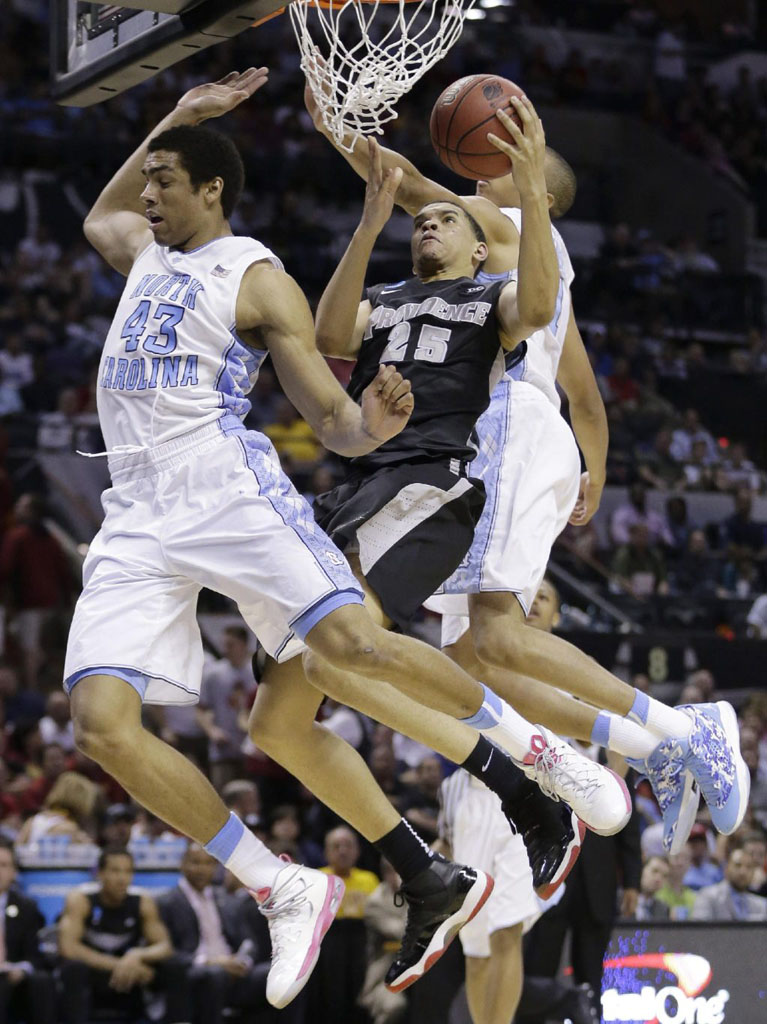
(730, 900)
(26, 990)
(215, 936)
(114, 946)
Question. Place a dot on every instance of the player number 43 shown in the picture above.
(431, 347)
(166, 316)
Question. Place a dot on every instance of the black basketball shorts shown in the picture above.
(411, 523)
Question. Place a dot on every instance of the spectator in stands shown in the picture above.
(205, 924)
(243, 797)
(421, 805)
(730, 900)
(689, 258)
(703, 870)
(16, 362)
(656, 467)
(56, 725)
(740, 533)
(687, 434)
(678, 524)
(755, 845)
(675, 894)
(698, 470)
(36, 579)
(695, 573)
(226, 696)
(670, 64)
(26, 989)
(383, 765)
(10, 402)
(738, 471)
(10, 809)
(114, 947)
(757, 618)
(385, 925)
(67, 811)
(285, 837)
(703, 678)
(640, 566)
(749, 748)
(293, 436)
(117, 828)
(337, 981)
(18, 703)
(635, 511)
(53, 761)
(654, 876)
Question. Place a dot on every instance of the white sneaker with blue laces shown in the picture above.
(715, 761)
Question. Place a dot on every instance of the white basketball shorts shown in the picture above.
(214, 509)
(530, 466)
(481, 837)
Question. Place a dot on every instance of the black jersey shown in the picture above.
(113, 930)
(443, 337)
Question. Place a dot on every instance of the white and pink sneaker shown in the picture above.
(300, 907)
(597, 795)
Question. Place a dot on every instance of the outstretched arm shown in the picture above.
(116, 226)
(272, 312)
(587, 415)
(341, 318)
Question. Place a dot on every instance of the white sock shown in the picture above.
(659, 718)
(623, 736)
(244, 855)
(503, 725)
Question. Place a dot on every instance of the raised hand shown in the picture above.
(216, 98)
(380, 190)
(528, 150)
(387, 403)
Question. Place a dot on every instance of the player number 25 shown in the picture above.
(167, 316)
(431, 347)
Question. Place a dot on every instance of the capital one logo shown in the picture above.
(682, 1003)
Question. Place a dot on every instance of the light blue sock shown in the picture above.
(489, 713)
(600, 734)
(222, 845)
(640, 709)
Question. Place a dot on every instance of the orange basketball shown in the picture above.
(461, 119)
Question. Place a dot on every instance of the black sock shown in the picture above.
(407, 853)
(496, 769)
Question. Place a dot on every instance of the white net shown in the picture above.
(361, 56)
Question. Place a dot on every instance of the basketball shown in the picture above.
(461, 119)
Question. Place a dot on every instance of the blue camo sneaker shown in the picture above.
(675, 789)
(715, 760)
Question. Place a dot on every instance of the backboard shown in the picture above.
(99, 50)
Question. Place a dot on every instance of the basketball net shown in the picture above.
(359, 65)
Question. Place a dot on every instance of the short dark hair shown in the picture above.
(560, 182)
(114, 851)
(205, 154)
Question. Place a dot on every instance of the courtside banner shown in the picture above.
(686, 973)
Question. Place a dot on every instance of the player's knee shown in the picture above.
(103, 737)
(501, 645)
(353, 643)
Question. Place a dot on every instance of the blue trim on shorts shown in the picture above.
(138, 680)
(308, 620)
(132, 676)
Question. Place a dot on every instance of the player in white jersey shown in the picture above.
(199, 501)
(470, 823)
(676, 748)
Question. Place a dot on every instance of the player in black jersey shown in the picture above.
(412, 511)
(115, 945)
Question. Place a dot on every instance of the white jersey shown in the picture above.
(172, 361)
(544, 348)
